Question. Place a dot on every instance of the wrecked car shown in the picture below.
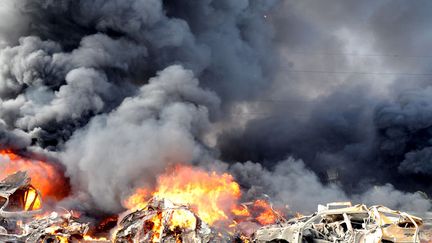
(162, 221)
(18, 197)
(54, 228)
(21, 218)
(342, 222)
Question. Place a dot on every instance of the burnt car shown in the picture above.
(22, 219)
(162, 221)
(342, 222)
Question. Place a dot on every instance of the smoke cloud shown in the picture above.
(350, 98)
(291, 183)
(146, 133)
(116, 91)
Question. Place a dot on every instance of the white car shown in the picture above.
(342, 222)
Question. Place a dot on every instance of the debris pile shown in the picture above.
(55, 228)
(162, 221)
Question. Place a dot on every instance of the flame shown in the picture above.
(213, 196)
(138, 199)
(155, 227)
(92, 239)
(267, 215)
(241, 211)
(32, 200)
(53, 230)
(62, 239)
(183, 219)
(44, 176)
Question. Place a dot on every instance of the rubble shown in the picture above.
(55, 228)
(162, 221)
(342, 222)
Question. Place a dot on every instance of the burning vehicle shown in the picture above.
(162, 221)
(342, 222)
(21, 218)
(191, 205)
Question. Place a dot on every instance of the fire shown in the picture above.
(267, 215)
(138, 199)
(32, 200)
(44, 176)
(54, 232)
(241, 211)
(183, 219)
(156, 227)
(213, 196)
(92, 239)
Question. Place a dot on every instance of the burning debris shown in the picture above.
(56, 227)
(214, 197)
(21, 218)
(192, 205)
(162, 221)
(47, 177)
(342, 222)
(208, 200)
(204, 211)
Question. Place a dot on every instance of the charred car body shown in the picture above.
(162, 221)
(21, 218)
(342, 222)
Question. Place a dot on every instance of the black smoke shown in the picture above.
(351, 97)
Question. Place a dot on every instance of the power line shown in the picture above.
(358, 54)
(359, 73)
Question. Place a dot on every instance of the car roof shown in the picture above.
(359, 208)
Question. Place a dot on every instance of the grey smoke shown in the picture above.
(119, 90)
(126, 148)
(291, 183)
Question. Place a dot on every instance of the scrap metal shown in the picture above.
(344, 223)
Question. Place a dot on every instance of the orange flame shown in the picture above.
(138, 199)
(213, 196)
(93, 239)
(241, 211)
(183, 219)
(44, 176)
(32, 200)
(267, 215)
(155, 227)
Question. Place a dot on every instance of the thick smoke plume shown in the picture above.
(118, 90)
